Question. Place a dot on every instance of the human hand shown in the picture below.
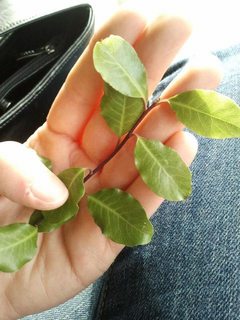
(75, 134)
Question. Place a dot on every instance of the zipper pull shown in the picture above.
(48, 49)
(4, 105)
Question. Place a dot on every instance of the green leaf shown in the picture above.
(120, 217)
(53, 219)
(119, 111)
(162, 169)
(118, 63)
(18, 244)
(36, 218)
(46, 162)
(208, 113)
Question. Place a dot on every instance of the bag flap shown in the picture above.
(15, 13)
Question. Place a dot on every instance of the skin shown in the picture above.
(72, 257)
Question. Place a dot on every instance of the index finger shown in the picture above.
(81, 93)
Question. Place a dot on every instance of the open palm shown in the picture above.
(75, 135)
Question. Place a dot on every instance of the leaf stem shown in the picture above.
(123, 142)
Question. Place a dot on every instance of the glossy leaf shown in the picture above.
(46, 162)
(120, 217)
(118, 63)
(53, 219)
(162, 169)
(208, 113)
(36, 218)
(119, 111)
(18, 244)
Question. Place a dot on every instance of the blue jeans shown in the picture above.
(191, 269)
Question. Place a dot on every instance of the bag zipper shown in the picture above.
(40, 58)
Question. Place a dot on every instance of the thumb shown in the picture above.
(25, 179)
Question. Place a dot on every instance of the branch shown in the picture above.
(122, 143)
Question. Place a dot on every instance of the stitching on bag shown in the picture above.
(16, 23)
(34, 16)
(47, 82)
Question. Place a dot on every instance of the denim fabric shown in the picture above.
(191, 269)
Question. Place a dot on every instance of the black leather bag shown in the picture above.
(36, 53)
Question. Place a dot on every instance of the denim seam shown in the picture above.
(102, 297)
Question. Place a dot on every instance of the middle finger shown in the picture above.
(156, 47)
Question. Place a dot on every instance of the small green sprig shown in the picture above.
(124, 106)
